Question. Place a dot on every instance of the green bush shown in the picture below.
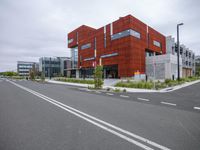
(32, 75)
(73, 80)
(138, 84)
(158, 84)
(167, 81)
(9, 73)
(116, 90)
(18, 77)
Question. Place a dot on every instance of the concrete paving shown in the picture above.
(109, 83)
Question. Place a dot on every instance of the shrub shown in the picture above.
(73, 80)
(98, 74)
(167, 81)
(139, 84)
(9, 73)
(32, 75)
(18, 77)
(116, 90)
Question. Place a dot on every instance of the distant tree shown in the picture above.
(9, 73)
(32, 75)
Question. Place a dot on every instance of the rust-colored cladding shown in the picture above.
(131, 50)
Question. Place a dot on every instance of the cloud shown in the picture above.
(32, 29)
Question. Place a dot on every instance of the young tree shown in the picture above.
(32, 75)
(98, 81)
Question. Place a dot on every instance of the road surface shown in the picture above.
(58, 117)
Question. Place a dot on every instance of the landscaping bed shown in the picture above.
(73, 80)
(158, 84)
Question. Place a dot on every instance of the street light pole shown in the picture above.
(178, 50)
(50, 69)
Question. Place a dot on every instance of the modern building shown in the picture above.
(24, 68)
(187, 56)
(54, 66)
(120, 47)
(162, 67)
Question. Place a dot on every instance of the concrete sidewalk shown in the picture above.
(131, 90)
(68, 83)
(104, 87)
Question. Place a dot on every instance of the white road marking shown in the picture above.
(109, 94)
(125, 96)
(198, 108)
(88, 90)
(166, 103)
(98, 92)
(104, 125)
(143, 99)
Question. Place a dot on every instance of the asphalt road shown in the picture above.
(47, 116)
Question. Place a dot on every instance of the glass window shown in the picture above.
(86, 46)
(109, 55)
(74, 57)
(135, 34)
(156, 43)
(186, 54)
(87, 59)
(125, 33)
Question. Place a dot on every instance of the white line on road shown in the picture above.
(143, 99)
(125, 96)
(92, 120)
(166, 103)
(198, 108)
(109, 94)
(98, 92)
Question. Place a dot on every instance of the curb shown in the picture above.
(130, 90)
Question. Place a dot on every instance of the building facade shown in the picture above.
(187, 56)
(120, 47)
(162, 67)
(54, 66)
(24, 68)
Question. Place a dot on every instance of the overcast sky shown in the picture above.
(30, 29)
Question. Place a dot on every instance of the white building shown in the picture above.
(23, 67)
(161, 67)
(187, 55)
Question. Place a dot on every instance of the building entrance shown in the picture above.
(110, 71)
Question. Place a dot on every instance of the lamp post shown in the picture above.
(178, 50)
